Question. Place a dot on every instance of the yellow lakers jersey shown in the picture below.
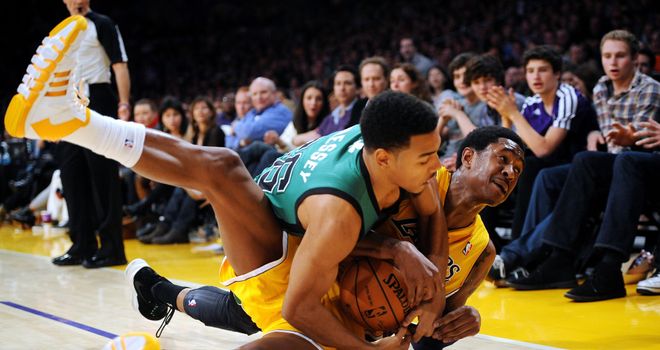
(465, 244)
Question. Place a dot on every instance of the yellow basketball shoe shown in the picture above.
(46, 106)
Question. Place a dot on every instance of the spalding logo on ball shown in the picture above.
(374, 294)
(133, 341)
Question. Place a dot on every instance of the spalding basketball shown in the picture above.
(374, 294)
(133, 341)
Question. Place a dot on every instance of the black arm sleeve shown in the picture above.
(109, 37)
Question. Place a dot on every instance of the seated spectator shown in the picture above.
(146, 113)
(409, 53)
(624, 100)
(310, 111)
(226, 110)
(267, 114)
(645, 62)
(458, 116)
(514, 78)
(172, 117)
(345, 85)
(374, 73)
(583, 78)
(205, 132)
(181, 211)
(483, 73)
(438, 80)
(405, 78)
(373, 77)
(554, 123)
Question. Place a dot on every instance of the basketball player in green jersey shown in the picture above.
(281, 290)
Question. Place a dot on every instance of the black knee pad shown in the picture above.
(218, 308)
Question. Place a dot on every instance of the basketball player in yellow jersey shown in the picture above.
(487, 171)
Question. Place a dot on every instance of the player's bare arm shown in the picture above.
(474, 279)
(330, 222)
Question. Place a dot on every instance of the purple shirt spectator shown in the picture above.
(336, 120)
(563, 111)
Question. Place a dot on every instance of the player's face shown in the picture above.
(312, 102)
(143, 114)
(373, 79)
(172, 120)
(344, 88)
(400, 81)
(461, 87)
(498, 168)
(617, 60)
(481, 85)
(242, 103)
(415, 165)
(541, 79)
(262, 95)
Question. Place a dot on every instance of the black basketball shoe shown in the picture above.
(141, 278)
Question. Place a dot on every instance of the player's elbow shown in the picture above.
(293, 312)
(490, 253)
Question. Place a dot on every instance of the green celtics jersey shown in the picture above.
(333, 165)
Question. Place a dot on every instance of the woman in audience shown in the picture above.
(311, 109)
(173, 118)
(181, 211)
(407, 79)
(438, 79)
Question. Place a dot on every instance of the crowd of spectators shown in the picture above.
(262, 80)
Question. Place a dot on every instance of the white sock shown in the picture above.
(112, 138)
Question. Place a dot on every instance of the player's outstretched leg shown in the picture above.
(47, 106)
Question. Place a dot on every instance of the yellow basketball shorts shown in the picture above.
(261, 292)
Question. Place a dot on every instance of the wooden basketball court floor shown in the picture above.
(43, 306)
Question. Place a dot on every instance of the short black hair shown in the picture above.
(460, 61)
(648, 53)
(173, 103)
(478, 139)
(483, 66)
(546, 53)
(392, 118)
(349, 69)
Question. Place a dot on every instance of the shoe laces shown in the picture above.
(166, 321)
(46, 53)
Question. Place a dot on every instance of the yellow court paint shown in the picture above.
(545, 318)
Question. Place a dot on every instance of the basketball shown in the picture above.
(374, 294)
(133, 341)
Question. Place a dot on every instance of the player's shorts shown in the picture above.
(261, 293)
